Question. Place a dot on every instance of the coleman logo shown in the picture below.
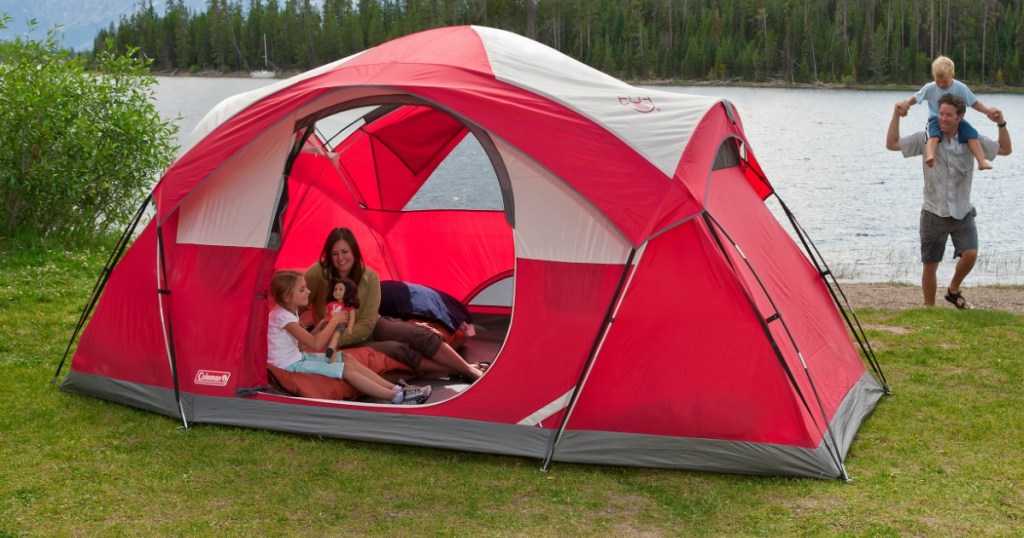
(639, 104)
(210, 377)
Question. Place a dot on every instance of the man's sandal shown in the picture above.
(958, 300)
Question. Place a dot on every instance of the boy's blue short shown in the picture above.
(966, 131)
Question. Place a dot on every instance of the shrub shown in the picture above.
(79, 148)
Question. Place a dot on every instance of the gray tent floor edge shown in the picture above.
(721, 456)
(858, 404)
(592, 447)
(373, 425)
(343, 423)
(138, 395)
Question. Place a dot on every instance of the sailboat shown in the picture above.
(266, 72)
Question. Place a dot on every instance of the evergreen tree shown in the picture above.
(883, 41)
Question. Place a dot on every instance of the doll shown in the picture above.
(344, 295)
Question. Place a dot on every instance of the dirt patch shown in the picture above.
(899, 297)
(887, 328)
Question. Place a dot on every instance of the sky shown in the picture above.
(81, 19)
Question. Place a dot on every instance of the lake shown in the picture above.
(824, 151)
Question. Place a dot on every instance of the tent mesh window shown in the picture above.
(728, 155)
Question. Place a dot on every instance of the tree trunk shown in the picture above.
(763, 15)
(984, 35)
(810, 38)
(531, 19)
(931, 29)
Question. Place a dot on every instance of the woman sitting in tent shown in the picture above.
(285, 335)
(419, 348)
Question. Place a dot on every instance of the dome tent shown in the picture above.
(658, 314)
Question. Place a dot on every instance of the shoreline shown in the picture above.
(739, 83)
(985, 88)
(888, 296)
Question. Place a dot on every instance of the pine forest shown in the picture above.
(755, 41)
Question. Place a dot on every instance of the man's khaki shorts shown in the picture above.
(935, 230)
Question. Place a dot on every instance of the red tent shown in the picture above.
(655, 312)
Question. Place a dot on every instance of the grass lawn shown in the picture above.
(941, 456)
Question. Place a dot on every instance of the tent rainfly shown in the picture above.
(656, 312)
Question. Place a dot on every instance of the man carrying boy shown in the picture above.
(947, 210)
(943, 71)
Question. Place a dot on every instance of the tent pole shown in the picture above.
(591, 357)
(714, 227)
(162, 290)
(846, 311)
(101, 282)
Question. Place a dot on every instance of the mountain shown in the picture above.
(81, 19)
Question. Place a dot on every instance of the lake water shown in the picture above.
(824, 151)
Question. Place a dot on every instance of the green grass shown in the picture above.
(941, 456)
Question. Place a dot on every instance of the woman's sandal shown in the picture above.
(958, 300)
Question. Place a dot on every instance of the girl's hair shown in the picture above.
(351, 295)
(327, 268)
(942, 67)
(283, 284)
